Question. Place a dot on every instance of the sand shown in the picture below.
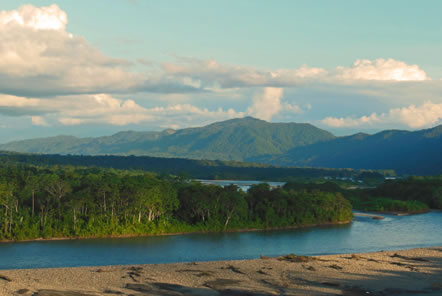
(407, 272)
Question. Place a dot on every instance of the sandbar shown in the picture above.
(405, 272)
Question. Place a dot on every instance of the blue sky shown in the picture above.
(90, 68)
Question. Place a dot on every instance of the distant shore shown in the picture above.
(176, 233)
(410, 272)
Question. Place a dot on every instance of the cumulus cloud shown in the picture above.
(17, 106)
(39, 58)
(74, 109)
(267, 104)
(351, 122)
(209, 73)
(381, 69)
(28, 16)
(105, 109)
(416, 117)
(101, 108)
(425, 115)
(55, 77)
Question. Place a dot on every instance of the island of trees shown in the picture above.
(63, 201)
(49, 201)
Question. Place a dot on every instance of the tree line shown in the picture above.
(415, 194)
(66, 201)
(197, 169)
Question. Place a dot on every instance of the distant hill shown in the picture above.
(418, 152)
(253, 140)
(199, 169)
(236, 139)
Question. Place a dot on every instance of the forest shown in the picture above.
(196, 169)
(414, 194)
(67, 201)
(48, 201)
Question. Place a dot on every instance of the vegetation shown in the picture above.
(235, 139)
(195, 169)
(253, 140)
(425, 189)
(417, 152)
(382, 204)
(63, 201)
(412, 195)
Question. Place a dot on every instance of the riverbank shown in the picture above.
(398, 213)
(379, 215)
(411, 272)
(177, 233)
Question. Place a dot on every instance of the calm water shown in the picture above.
(244, 185)
(363, 235)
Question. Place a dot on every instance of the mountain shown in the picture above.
(236, 139)
(253, 140)
(418, 152)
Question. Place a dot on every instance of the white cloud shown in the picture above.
(289, 108)
(38, 120)
(416, 117)
(105, 109)
(425, 115)
(351, 122)
(101, 108)
(267, 104)
(55, 77)
(17, 106)
(39, 58)
(75, 109)
(382, 69)
(286, 76)
(28, 16)
(185, 115)
(210, 73)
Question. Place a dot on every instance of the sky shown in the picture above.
(92, 68)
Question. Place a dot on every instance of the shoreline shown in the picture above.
(371, 214)
(394, 213)
(176, 233)
(412, 272)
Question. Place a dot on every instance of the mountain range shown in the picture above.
(253, 140)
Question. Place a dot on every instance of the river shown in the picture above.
(243, 185)
(362, 235)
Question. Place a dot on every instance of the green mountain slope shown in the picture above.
(418, 152)
(254, 140)
(236, 139)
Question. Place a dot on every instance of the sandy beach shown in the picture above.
(407, 272)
